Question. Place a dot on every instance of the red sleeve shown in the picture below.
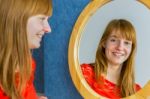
(138, 87)
(30, 92)
(3, 95)
(88, 73)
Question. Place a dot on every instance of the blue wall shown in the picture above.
(52, 72)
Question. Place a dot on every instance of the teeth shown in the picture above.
(39, 35)
(118, 54)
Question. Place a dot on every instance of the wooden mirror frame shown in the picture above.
(74, 65)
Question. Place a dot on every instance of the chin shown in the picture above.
(117, 62)
(35, 46)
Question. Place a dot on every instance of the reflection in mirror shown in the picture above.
(131, 10)
(112, 73)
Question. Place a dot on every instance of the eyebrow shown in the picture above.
(115, 36)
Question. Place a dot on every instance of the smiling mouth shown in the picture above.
(39, 36)
(118, 54)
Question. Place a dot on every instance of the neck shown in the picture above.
(113, 73)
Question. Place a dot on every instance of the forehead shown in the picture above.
(117, 34)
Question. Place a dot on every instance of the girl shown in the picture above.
(112, 74)
(22, 25)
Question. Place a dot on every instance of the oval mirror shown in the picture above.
(87, 33)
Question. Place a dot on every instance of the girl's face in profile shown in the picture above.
(37, 26)
(117, 48)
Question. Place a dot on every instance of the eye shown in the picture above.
(42, 18)
(127, 42)
(113, 40)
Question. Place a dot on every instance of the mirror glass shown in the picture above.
(135, 12)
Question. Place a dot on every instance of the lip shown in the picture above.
(118, 54)
(40, 36)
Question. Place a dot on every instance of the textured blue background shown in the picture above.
(52, 72)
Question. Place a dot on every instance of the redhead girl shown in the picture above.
(22, 25)
(112, 73)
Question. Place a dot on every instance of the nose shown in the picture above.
(120, 45)
(46, 27)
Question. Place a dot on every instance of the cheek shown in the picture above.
(128, 51)
(33, 27)
(108, 50)
(109, 47)
(31, 32)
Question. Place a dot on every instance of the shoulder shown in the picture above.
(88, 73)
(3, 95)
(87, 68)
(137, 87)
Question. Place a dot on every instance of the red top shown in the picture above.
(29, 92)
(108, 89)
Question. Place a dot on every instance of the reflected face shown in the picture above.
(117, 49)
(37, 26)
